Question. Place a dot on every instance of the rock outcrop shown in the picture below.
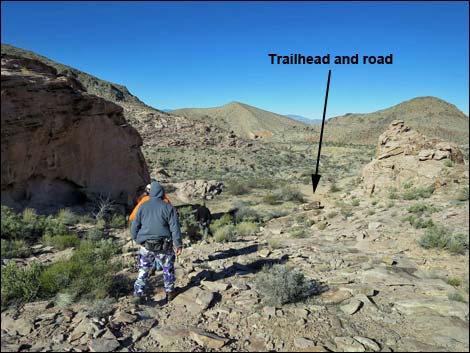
(60, 145)
(198, 189)
(404, 155)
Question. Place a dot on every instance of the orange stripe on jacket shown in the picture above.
(141, 201)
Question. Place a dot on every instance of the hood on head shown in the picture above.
(156, 190)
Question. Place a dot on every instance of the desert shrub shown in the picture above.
(95, 234)
(419, 222)
(15, 248)
(246, 228)
(53, 226)
(19, 284)
(61, 242)
(422, 208)
(86, 219)
(64, 300)
(67, 217)
(117, 221)
(270, 198)
(225, 233)
(299, 233)
(332, 214)
(456, 296)
(20, 226)
(334, 188)
(415, 193)
(221, 222)
(441, 238)
(188, 222)
(454, 281)
(104, 207)
(355, 202)
(321, 225)
(274, 243)
(448, 163)
(101, 308)
(238, 187)
(271, 214)
(393, 193)
(281, 285)
(88, 273)
(463, 194)
(244, 212)
(289, 193)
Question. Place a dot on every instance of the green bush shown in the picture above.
(15, 248)
(95, 234)
(419, 222)
(270, 199)
(299, 233)
(448, 163)
(117, 221)
(281, 285)
(20, 284)
(334, 188)
(458, 297)
(355, 203)
(332, 214)
(20, 226)
(88, 273)
(67, 217)
(418, 193)
(246, 228)
(463, 194)
(321, 225)
(221, 222)
(237, 187)
(225, 233)
(422, 208)
(61, 242)
(101, 308)
(245, 213)
(393, 193)
(441, 238)
(454, 281)
(64, 300)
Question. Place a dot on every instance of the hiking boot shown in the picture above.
(170, 296)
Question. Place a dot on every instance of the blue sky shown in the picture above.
(204, 54)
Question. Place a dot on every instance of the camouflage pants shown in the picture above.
(145, 262)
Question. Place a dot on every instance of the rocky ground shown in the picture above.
(375, 287)
(377, 291)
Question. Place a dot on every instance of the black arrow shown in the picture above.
(316, 176)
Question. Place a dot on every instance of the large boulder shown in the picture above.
(60, 145)
(191, 190)
(406, 156)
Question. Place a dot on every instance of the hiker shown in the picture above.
(144, 198)
(156, 228)
(204, 218)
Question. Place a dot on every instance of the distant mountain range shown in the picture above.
(431, 116)
(304, 119)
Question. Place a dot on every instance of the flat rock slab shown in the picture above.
(195, 300)
(352, 307)
(348, 344)
(335, 296)
(215, 286)
(389, 276)
(302, 342)
(104, 345)
(207, 339)
(442, 306)
(168, 335)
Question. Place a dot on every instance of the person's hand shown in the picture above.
(178, 251)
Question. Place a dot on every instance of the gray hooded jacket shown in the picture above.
(156, 219)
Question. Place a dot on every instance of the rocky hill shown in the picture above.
(430, 116)
(245, 120)
(60, 145)
(157, 128)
